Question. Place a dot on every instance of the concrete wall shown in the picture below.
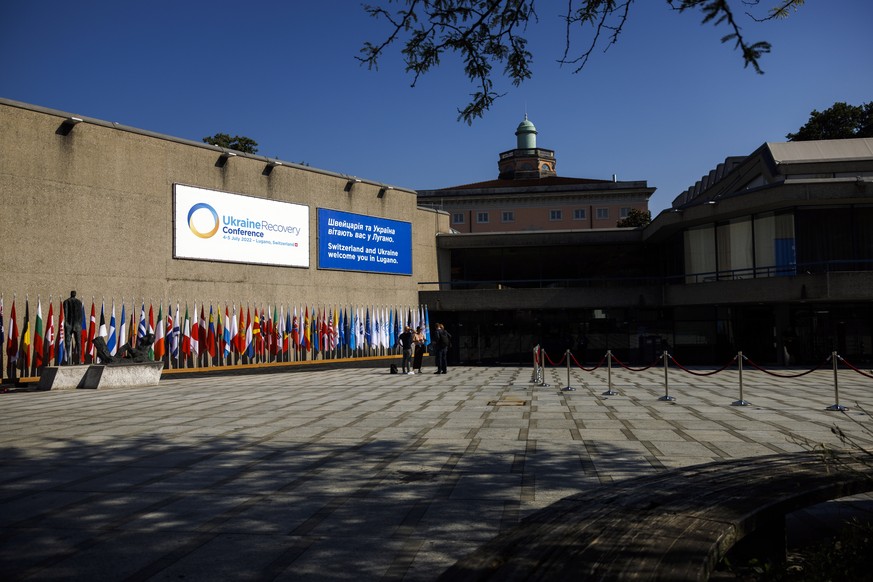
(92, 210)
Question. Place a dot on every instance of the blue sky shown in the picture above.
(666, 104)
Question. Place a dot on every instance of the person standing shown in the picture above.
(443, 341)
(73, 314)
(406, 341)
(419, 340)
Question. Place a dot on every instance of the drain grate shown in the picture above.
(508, 402)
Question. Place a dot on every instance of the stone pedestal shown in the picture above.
(101, 376)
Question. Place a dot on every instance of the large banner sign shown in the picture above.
(218, 226)
(354, 242)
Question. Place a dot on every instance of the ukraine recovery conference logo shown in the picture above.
(202, 219)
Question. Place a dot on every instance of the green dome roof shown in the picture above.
(526, 135)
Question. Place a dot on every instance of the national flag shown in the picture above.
(196, 336)
(92, 332)
(210, 334)
(250, 348)
(276, 333)
(122, 331)
(159, 347)
(219, 337)
(341, 330)
(256, 333)
(102, 330)
(142, 328)
(229, 332)
(151, 331)
(234, 331)
(307, 340)
(241, 333)
(295, 330)
(174, 325)
(24, 346)
(426, 326)
(316, 332)
(368, 330)
(112, 342)
(49, 333)
(38, 348)
(353, 331)
(327, 329)
(185, 346)
(62, 341)
(12, 342)
(83, 336)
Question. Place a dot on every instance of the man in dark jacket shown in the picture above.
(442, 341)
(406, 343)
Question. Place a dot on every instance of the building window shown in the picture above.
(508, 216)
(554, 215)
(481, 217)
(623, 212)
(602, 213)
(458, 218)
(579, 214)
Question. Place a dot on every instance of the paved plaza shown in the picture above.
(357, 474)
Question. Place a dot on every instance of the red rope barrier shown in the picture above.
(712, 373)
(626, 367)
(549, 360)
(862, 372)
(756, 366)
(583, 368)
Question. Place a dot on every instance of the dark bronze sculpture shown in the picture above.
(74, 312)
(127, 354)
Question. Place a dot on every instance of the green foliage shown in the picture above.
(238, 143)
(489, 33)
(635, 218)
(839, 121)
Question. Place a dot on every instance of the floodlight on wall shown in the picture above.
(350, 184)
(713, 202)
(222, 159)
(67, 125)
(382, 191)
(270, 165)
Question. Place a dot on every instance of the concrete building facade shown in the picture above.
(88, 205)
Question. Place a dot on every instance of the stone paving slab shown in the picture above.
(356, 474)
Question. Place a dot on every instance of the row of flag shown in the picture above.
(206, 338)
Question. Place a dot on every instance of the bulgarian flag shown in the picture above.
(38, 353)
(159, 346)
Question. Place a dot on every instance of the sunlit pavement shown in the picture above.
(358, 474)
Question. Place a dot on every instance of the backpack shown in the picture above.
(393, 369)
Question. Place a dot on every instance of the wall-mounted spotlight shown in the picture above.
(67, 125)
(270, 165)
(350, 184)
(713, 202)
(222, 159)
(382, 191)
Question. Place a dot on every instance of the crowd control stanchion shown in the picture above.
(609, 391)
(568, 388)
(535, 377)
(543, 356)
(666, 397)
(836, 406)
(741, 401)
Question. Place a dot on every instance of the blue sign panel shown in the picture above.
(355, 242)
